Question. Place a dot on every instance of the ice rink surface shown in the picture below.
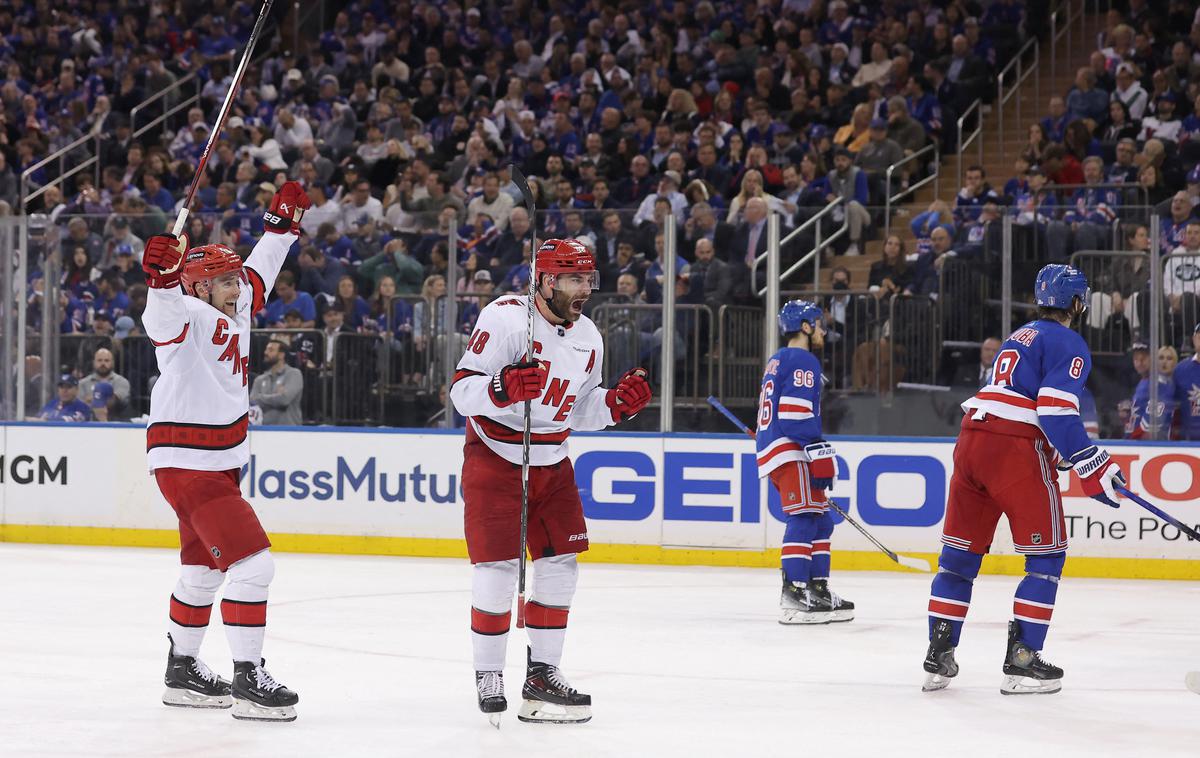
(679, 661)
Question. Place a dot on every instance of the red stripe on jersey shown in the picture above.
(793, 404)
(821, 547)
(197, 436)
(175, 341)
(1020, 402)
(947, 609)
(189, 615)
(802, 550)
(538, 616)
(257, 289)
(1045, 401)
(492, 624)
(463, 373)
(501, 433)
(1021, 608)
(242, 613)
(781, 449)
(591, 362)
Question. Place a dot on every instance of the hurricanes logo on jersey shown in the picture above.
(232, 351)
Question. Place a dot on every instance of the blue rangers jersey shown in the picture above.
(789, 408)
(1139, 413)
(1038, 377)
(1187, 394)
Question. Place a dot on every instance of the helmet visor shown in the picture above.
(573, 281)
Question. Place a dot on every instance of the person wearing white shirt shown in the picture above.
(1164, 124)
(264, 149)
(668, 187)
(324, 210)
(1130, 92)
(360, 206)
(291, 131)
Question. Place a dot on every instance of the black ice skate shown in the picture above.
(490, 686)
(939, 660)
(799, 604)
(258, 697)
(1025, 673)
(839, 608)
(550, 699)
(191, 684)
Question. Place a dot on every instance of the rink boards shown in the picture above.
(649, 498)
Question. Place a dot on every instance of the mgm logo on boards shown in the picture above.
(25, 469)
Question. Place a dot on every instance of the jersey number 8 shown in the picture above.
(1003, 368)
(765, 410)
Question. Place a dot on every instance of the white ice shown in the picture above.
(679, 662)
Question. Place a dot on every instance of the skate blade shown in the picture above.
(1192, 680)
(181, 698)
(540, 712)
(244, 710)
(840, 617)
(1027, 685)
(494, 719)
(935, 682)
(789, 616)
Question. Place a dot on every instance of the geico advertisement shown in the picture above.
(687, 491)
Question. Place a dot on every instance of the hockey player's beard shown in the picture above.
(566, 306)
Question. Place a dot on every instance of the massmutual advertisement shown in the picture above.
(648, 497)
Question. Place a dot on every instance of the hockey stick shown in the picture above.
(222, 115)
(523, 185)
(1160, 513)
(912, 563)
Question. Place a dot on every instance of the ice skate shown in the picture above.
(800, 605)
(490, 687)
(838, 607)
(550, 699)
(1025, 673)
(191, 684)
(939, 660)
(258, 697)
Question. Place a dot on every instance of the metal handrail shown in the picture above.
(1021, 76)
(977, 134)
(133, 114)
(887, 185)
(815, 220)
(1068, 25)
(59, 155)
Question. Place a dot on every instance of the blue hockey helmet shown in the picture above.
(796, 312)
(1057, 285)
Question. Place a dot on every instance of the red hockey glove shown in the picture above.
(630, 396)
(517, 382)
(161, 259)
(1098, 474)
(822, 466)
(287, 207)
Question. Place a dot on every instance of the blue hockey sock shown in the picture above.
(820, 548)
(796, 553)
(950, 595)
(1034, 602)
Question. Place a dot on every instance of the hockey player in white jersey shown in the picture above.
(198, 315)
(562, 379)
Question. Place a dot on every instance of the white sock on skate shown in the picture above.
(244, 605)
(191, 607)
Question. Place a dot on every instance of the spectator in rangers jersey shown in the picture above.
(1144, 423)
(67, 406)
(1187, 391)
(793, 453)
(1091, 214)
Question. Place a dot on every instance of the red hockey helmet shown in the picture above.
(205, 263)
(556, 257)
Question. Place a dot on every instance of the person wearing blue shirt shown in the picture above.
(154, 193)
(802, 466)
(288, 298)
(1141, 419)
(67, 406)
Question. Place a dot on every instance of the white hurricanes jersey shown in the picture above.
(572, 398)
(199, 406)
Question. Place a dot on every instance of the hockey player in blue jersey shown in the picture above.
(1016, 431)
(801, 466)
